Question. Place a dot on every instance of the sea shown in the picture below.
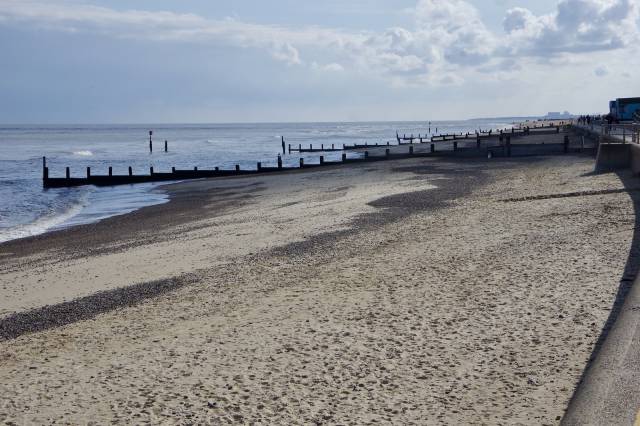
(27, 209)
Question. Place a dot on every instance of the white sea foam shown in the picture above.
(42, 224)
(94, 205)
(85, 153)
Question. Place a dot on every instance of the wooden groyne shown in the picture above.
(468, 148)
(322, 148)
(421, 139)
(112, 179)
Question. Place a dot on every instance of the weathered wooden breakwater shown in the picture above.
(112, 179)
(502, 148)
(322, 148)
(421, 139)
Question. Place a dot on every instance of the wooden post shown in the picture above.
(237, 167)
(310, 147)
(455, 145)
(44, 166)
(279, 162)
(217, 169)
(366, 154)
(508, 146)
(433, 147)
(150, 141)
(130, 171)
(88, 172)
(344, 157)
(558, 129)
(332, 146)
(386, 152)
(67, 173)
(151, 171)
(301, 162)
(410, 150)
(282, 138)
(321, 160)
(166, 146)
(259, 166)
(289, 148)
(566, 143)
(299, 147)
(45, 173)
(195, 168)
(322, 147)
(110, 171)
(173, 170)
(478, 141)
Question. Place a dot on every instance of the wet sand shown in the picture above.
(415, 291)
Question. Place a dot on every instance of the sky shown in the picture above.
(207, 61)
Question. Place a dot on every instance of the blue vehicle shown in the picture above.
(624, 109)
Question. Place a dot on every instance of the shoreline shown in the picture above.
(191, 202)
(395, 150)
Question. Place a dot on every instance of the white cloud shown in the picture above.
(577, 26)
(455, 27)
(601, 71)
(286, 53)
(334, 67)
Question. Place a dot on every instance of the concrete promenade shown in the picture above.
(608, 393)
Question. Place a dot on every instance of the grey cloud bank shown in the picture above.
(447, 34)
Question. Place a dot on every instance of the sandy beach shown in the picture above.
(421, 291)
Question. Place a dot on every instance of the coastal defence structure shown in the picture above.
(618, 145)
(607, 392)
(481, 144)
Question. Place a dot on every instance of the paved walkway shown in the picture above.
(609, 393)
(623, 133)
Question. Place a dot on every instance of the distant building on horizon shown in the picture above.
(558, 115)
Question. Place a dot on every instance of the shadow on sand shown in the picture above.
(632, 266)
